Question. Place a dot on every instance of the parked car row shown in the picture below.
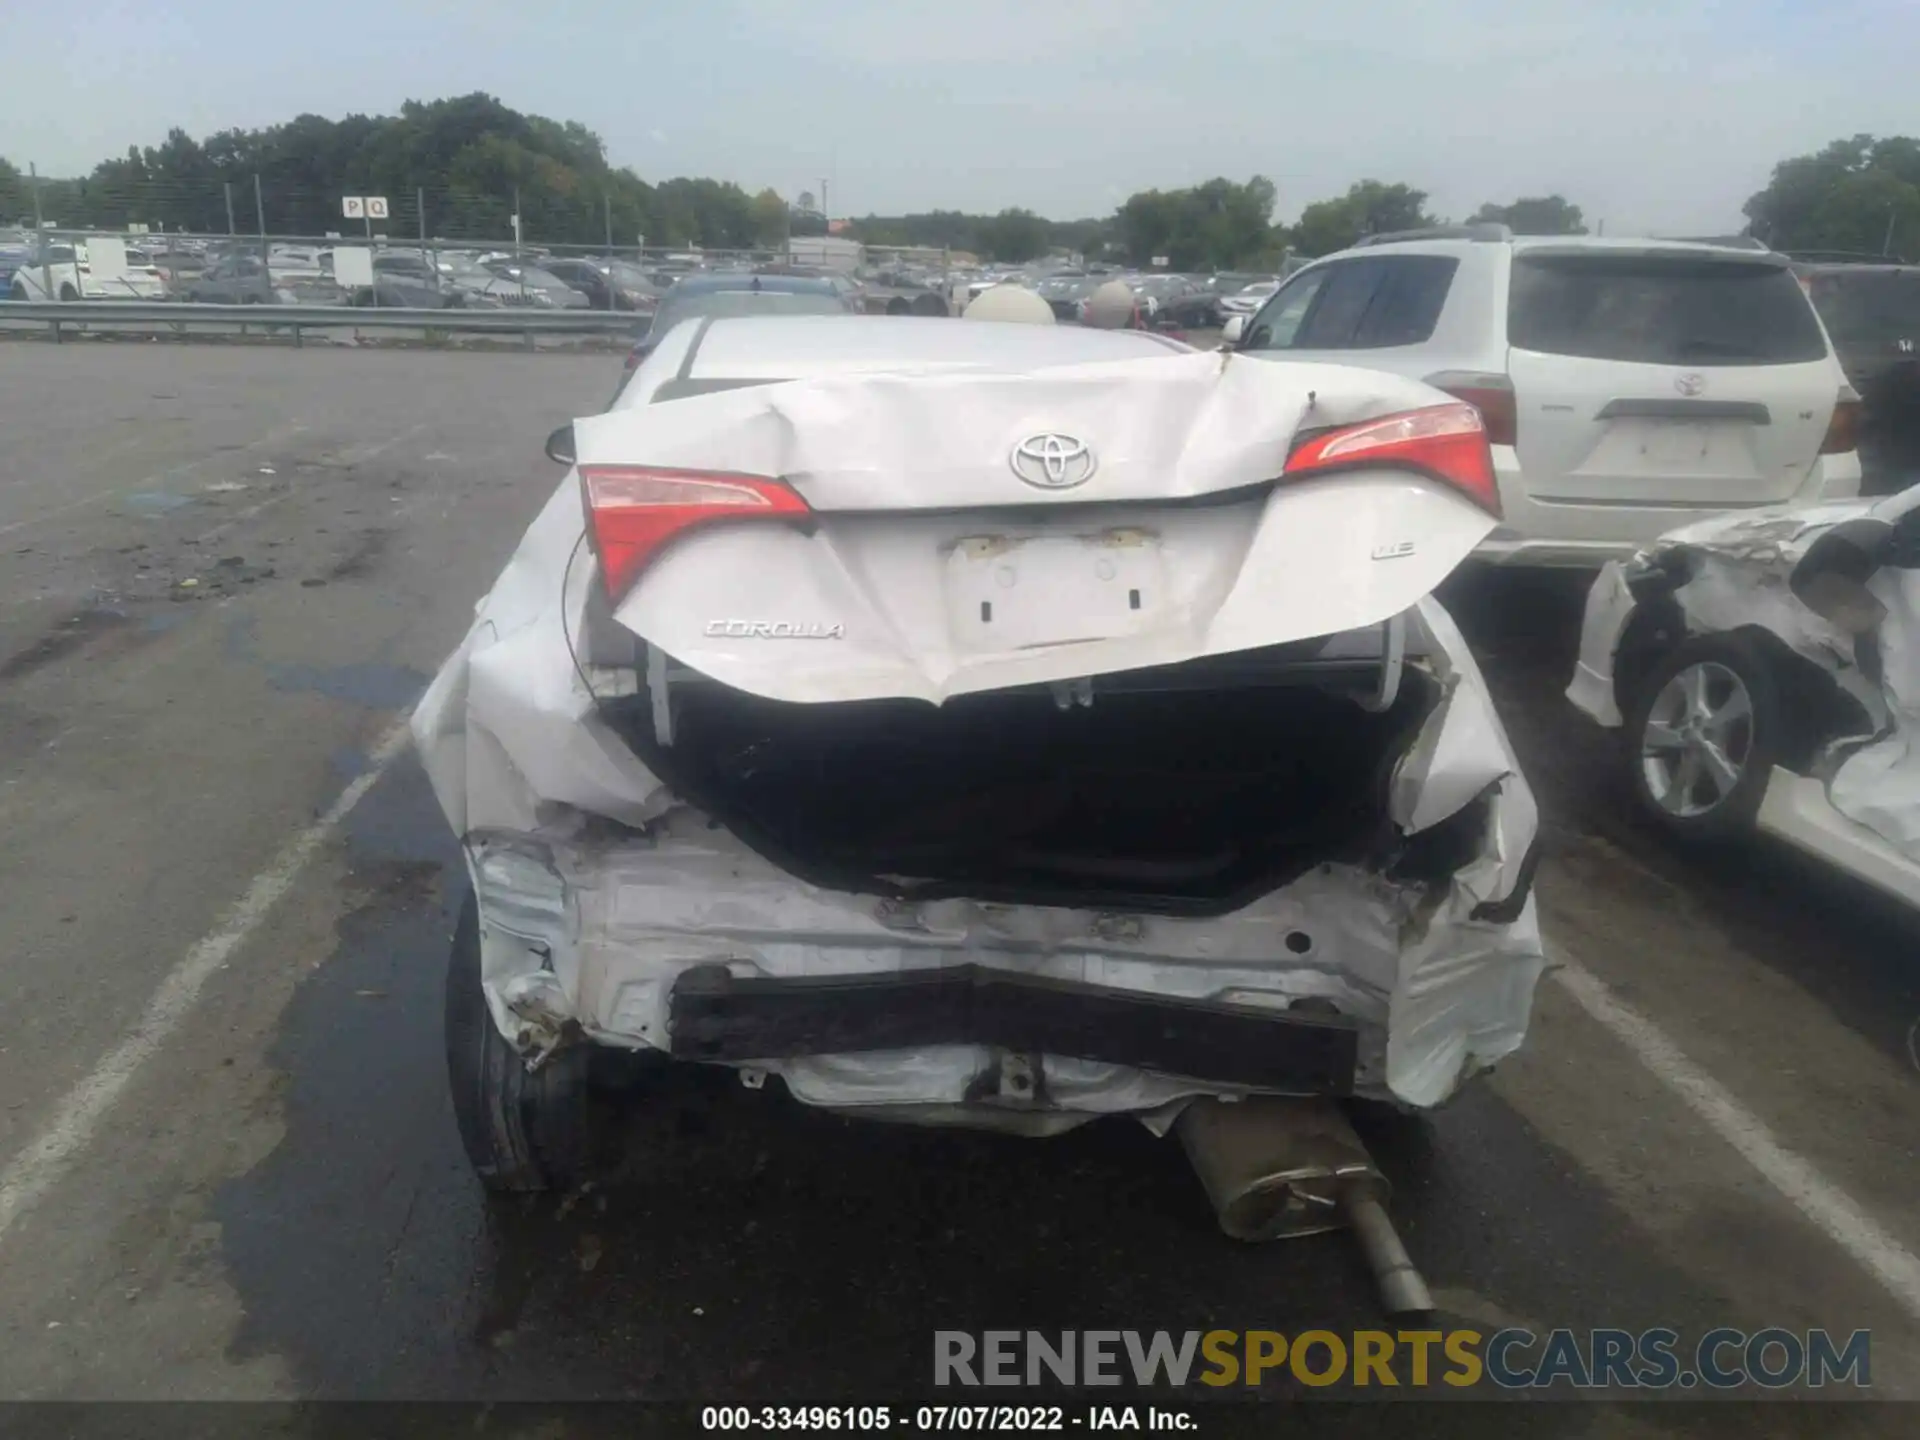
(243, 272)
(43, 270)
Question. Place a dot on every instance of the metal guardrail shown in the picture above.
(164, 315)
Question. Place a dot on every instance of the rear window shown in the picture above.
(1868, 306)
(1661, 311)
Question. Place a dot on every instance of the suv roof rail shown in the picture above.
(1843, 257)
(1486, 230)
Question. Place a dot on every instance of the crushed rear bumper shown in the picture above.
(720, 1016)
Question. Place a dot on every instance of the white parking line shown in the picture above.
(77, 1117)
(1825, 1204)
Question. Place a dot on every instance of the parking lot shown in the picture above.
(228, 1166)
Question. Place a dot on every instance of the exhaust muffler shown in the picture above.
(1278, 1167)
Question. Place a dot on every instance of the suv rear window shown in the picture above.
(1661, 310)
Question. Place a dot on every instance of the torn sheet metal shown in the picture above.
(508, 731)
(1165, 427)
(1878, 785)
(596, 929)
(1740, 568)
(936, 566)
(1439, 995)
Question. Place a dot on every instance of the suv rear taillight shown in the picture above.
(1447, 442)
(1843, 430)
(635, 511)
(1491, 395)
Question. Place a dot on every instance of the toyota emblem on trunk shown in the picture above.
(1053, 462)
(1691, 384)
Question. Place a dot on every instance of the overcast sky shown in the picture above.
(1654, 115)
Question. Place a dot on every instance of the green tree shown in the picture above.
(1370, 207)
(1857, 194)
(1218, 224)
(1015, 236)
(1536, 215)
(469, 158)
(771, 222)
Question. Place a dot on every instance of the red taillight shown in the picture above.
(1491, 395)
(634, 511)
(1843, 430)
(1448, 442)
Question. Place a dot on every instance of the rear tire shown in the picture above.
(523, 1131)
(67, 292)
(1703, 734)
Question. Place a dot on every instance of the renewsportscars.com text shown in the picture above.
(1509, 1359)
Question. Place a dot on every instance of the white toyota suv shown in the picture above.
(1629, 386)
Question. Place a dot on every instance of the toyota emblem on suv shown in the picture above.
(1053, 462)
(1690, 384)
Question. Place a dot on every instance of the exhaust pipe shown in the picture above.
(1278, 1167)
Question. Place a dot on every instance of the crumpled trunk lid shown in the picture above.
(974, 532)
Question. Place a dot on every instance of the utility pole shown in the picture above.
(260, 214)
(519, 263)
(433, 257)
(824, 211)
(606, 212)
(1886, 245)
(40, 238)
(226, 188)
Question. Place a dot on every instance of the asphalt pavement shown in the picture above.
(228, 1166)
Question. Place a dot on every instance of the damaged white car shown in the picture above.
(1765, 672)
(993, 725)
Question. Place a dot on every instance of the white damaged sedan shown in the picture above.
(983, 724)
(1763, 670)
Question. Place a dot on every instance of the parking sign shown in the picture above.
(376, 207)
(354, 207)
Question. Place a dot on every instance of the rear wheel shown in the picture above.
(67, 292)
(523, 1130)
(1703, 736)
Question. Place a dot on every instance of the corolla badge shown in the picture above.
(1053, 462)
(775, 630)
(1690, 384)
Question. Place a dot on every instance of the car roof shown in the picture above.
(780, 347)
(1560, 245)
